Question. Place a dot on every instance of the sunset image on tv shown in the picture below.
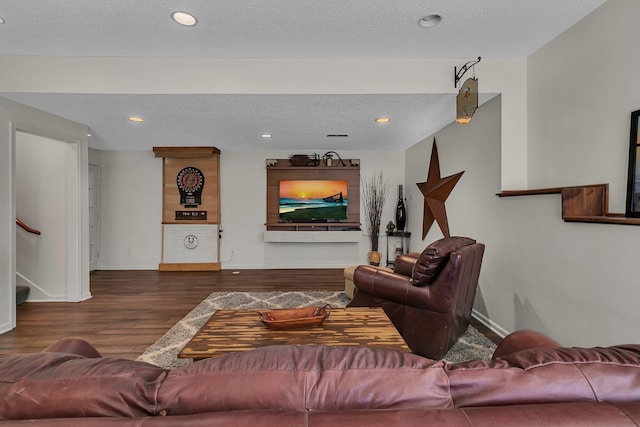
(313, 200)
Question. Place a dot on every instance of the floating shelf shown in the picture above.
(582, 203)
(313, 236)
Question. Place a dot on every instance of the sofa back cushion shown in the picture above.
(433, 259)
(59, 385)
(549, 375)
(312, 377)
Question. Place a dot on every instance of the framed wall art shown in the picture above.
(633, 180)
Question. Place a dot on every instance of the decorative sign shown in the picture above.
(191, 215)
(190, 184)
(467, 101)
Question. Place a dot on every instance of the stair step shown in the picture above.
(22, 293)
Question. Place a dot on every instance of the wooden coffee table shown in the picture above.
(227, 331)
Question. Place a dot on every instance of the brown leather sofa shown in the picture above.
(531, 381)
(428, 296)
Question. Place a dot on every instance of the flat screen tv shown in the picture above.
(309, 200)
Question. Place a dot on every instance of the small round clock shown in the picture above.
(191, 241)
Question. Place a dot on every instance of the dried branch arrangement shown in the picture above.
(375, 190)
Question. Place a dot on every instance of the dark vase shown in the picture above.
(401, 212)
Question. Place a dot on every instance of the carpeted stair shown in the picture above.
(22, 293)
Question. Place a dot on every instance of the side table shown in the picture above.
(400, 241)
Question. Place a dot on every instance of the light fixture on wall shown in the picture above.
(467, 99)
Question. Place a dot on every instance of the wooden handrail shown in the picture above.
(27, 228)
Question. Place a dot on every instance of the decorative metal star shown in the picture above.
(436, 190)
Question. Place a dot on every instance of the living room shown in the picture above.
(561, 119)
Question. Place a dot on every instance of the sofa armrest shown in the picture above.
(523, 340)
(381, 283)
(74, 346)
(405, 262)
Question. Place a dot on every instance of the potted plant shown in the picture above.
(374, 194)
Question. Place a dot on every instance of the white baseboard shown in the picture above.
(5, 328)
(227, 266)
(128, 267)
(49, 298)
(497, 329)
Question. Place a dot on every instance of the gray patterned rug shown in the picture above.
(163, 353)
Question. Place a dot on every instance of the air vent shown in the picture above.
(337, 135)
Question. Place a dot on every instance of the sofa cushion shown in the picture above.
(56, 385)
(433, 259)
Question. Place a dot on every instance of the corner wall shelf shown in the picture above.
(582, 203)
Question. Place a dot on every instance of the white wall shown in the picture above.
(286, 76)
(473, 209)
(7, 224)
(575, 282)
(132, 212)
(583, 86)
(243, 220)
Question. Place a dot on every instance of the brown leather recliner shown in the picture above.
(428, 296)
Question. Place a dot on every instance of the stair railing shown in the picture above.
(27, 228)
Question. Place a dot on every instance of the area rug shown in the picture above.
(163, 353)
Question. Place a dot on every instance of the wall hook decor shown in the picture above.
(459, 74)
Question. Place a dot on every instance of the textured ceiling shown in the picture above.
(272, 29)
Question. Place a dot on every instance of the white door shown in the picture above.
(94, 217)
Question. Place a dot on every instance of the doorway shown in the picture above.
(47, 191)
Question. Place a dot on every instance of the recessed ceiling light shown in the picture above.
(383, 120)
(135, 119)
(430, 21)
(184, 18)
(2, 21)
(266, 135)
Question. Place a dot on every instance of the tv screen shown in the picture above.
(307, 200)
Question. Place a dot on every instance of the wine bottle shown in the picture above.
(401, 212)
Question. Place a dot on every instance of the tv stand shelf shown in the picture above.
(315, 226)
(312, 234)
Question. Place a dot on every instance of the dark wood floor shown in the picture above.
(130, 310)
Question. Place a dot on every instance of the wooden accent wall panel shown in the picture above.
(282, 170)
(207, 161)
(210, 168)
